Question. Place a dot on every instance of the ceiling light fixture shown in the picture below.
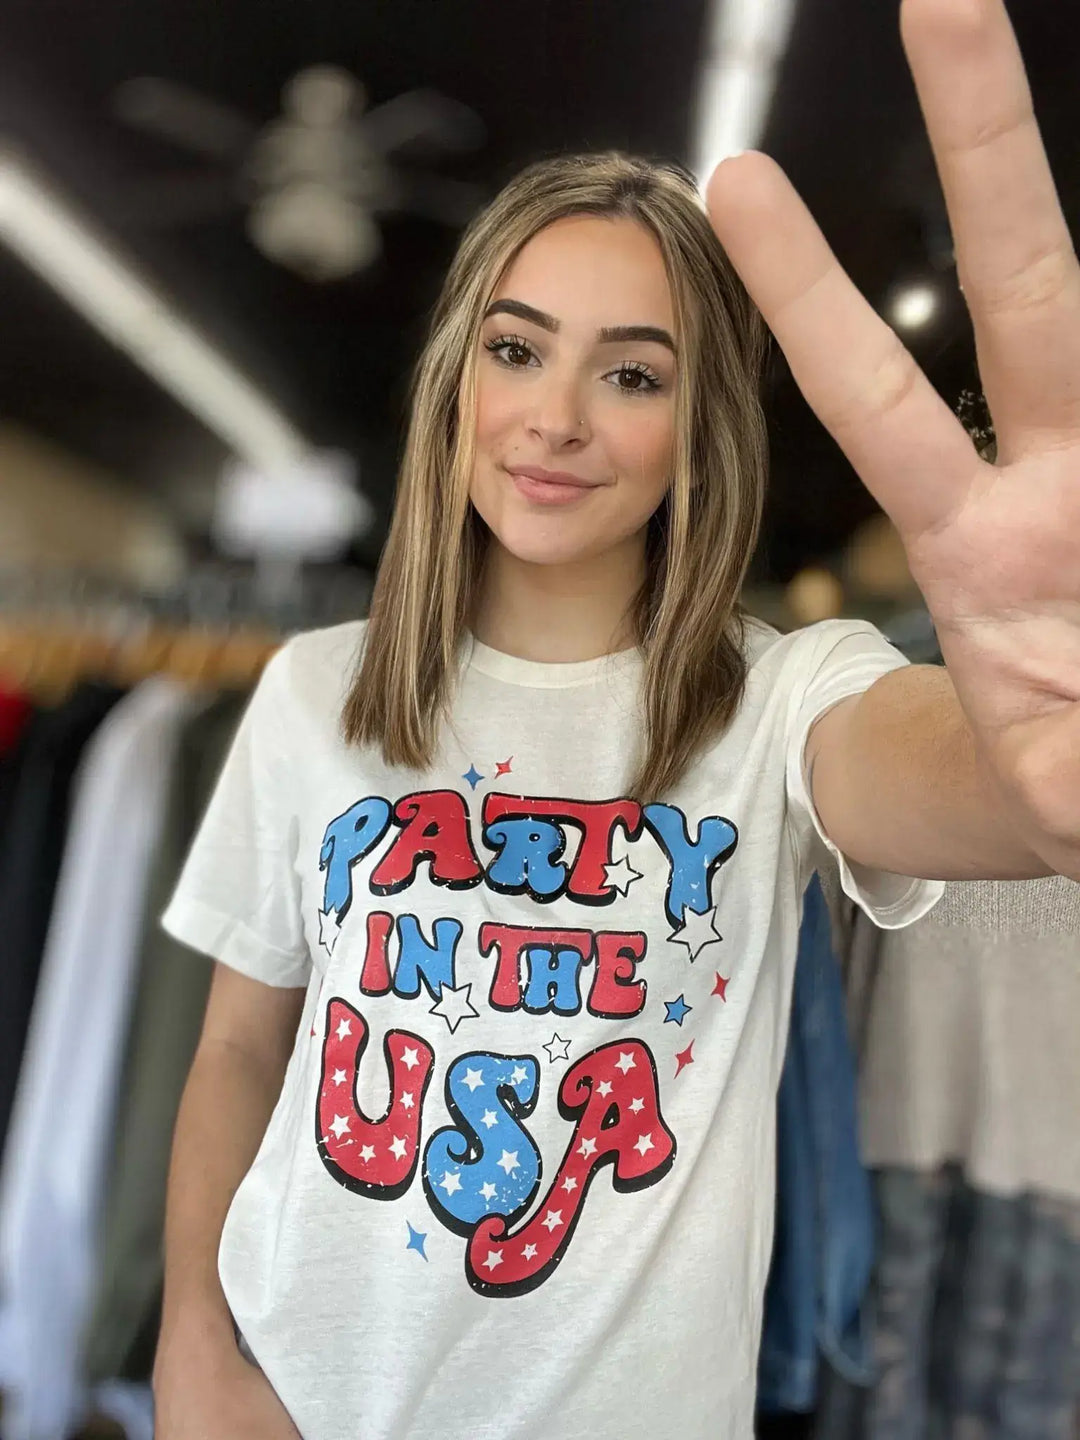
(90, 274)
(914, 306)
(744, 45)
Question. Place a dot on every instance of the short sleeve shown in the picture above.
(841, 659)
(238, 895)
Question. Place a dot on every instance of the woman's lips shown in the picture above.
(549, 487)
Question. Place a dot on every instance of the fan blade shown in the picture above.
(423, 118)
(181, 116)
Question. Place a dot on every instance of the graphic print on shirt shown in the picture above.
(596, 1093)
(483, 1173)
(375, 1158)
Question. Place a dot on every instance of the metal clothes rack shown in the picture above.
(216, 629)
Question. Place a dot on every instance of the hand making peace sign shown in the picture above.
(995, 548)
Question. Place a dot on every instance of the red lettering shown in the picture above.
(435, 827)
(375, 978)
(376, 1158)
(615, 992)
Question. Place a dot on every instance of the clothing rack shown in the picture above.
(215, 630)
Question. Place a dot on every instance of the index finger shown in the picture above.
(865, 387)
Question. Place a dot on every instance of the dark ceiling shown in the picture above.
(543, 75)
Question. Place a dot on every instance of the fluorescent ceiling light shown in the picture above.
(914, 306)
(745, 43)
(96, 281)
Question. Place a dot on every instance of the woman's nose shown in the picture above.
(560, 417)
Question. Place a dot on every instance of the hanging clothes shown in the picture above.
(60, 1127)
(15, 712)
(31, 846)
(969, 1093)
(166, 1020)
(823, 1244)
(16, 716)
(970, 1038)
(977, 1331)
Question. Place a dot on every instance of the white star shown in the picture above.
(409, 1058)
(343, 1029)
(329, 930)
(587, 1148)
(621, 876)
(455, 1005)
(696, 931)
(494, 1257)
(625, 1062)
(529, 1252)
(552, 1220)
(399, 1146)
(473, 1079)
(557, 1048)
(451, 1181)
(340, 1077)
(340, 1125)
(644, 1143)
(367, 1153)
(636, 1105)
(489, 1118)
(570, 1183)
(604, 1088)
(518, 1074)
(407, 1100)
(508, 1160)
(487, 1190)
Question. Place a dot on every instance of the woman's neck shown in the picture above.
(559, 613)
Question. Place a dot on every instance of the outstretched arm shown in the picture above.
(898, 784)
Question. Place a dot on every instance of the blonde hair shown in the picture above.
(700, 540)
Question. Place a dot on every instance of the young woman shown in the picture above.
(504, 884)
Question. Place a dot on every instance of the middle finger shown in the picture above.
(1014, 254)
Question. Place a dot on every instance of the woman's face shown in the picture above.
(575, 392)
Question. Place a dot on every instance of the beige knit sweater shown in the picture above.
(968, 1026)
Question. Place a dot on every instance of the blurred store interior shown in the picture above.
(222, 228)
(223, 225)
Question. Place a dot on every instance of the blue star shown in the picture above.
(677, 1010)
(473, 776)
(416, 1241)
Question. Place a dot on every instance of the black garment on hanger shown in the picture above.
(31, 848)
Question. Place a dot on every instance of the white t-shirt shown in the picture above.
(519, 1182)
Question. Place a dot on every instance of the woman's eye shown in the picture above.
(510, 351)
(636, 380)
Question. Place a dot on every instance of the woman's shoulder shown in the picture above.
(329, 645)
(315, 668)
(807, 647)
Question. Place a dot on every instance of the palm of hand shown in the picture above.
(995, 549)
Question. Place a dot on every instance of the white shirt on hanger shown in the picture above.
(54, 1161)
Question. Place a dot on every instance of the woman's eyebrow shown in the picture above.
(620, 334)
(610, 334)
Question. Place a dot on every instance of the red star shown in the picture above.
(684, 1057)
(502, 767)
(313, 1036)
(720, 988)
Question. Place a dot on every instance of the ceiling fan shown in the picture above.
(314, 180)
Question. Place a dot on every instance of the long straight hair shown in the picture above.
(686, 615)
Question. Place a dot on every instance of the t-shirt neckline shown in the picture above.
(547, 674)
